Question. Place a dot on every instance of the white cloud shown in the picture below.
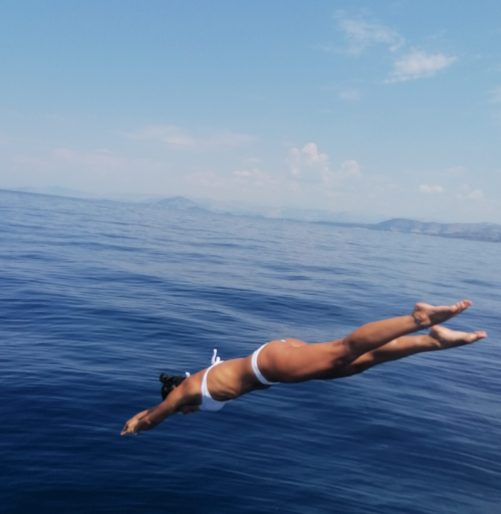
(431, 188)
(309, 159)
(312, 156)
(418, 64)
(177, 137)
(309, 165)
(309, 174)
(362, 34)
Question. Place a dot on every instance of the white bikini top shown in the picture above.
(208, 403)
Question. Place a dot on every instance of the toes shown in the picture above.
(475, 336)
(458, 307)
(463, 304)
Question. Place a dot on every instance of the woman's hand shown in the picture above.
(136, 424)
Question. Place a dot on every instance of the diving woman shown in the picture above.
(292, 360)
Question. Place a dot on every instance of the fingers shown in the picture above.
(123, 433)
(130, 426)
(126, 430)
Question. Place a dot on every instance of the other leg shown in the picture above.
(378, 333)
(439, 338)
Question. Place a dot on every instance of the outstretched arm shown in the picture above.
(182, 396)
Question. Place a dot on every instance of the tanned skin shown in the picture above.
(293, 360)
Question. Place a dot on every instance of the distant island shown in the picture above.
(474, 231)
(178, 202)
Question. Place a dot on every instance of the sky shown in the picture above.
(374, 109)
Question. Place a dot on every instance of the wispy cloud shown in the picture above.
(361, 34)
(178, 137)
(431, 188)
(308, 173)
(418, 64)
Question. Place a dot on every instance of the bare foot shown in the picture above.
(447, 338)
(427, 315)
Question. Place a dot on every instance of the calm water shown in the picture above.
(97, 298)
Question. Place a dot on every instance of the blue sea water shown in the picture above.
(97, 298)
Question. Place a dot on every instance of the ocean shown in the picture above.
(97, 298)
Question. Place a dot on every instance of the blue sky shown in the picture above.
(377, 109)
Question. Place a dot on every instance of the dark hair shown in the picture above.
(169, 382)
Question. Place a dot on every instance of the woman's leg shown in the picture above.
(378, 333)
(439, 338)
(284, 363)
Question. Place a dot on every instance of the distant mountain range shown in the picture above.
(178, 202)
(473, 231)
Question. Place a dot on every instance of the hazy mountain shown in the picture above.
(475, 231)
(178, 202)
